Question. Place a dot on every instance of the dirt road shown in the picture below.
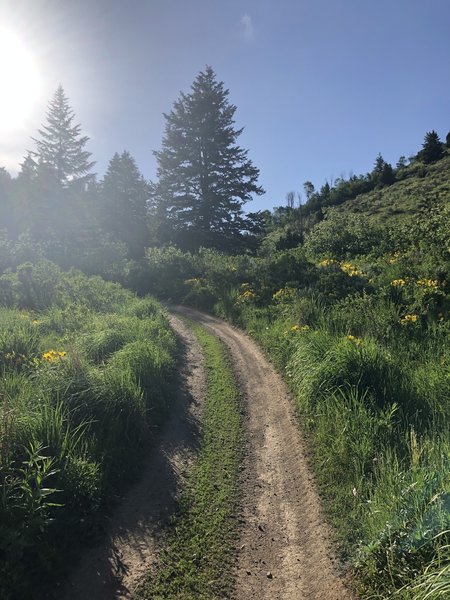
(284, 550)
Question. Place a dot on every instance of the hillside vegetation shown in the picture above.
(358, 320)
(85, 371)
(421, 186)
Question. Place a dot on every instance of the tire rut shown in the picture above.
(112, 570)
(284, 552)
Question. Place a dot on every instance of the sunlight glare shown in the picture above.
(20, 82)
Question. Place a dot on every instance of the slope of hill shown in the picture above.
(421, 187)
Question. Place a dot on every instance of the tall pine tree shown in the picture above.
(61, 147)
(204, 178)
(125, 194)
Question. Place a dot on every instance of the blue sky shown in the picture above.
(321, 86)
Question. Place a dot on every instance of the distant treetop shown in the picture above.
(61, 147)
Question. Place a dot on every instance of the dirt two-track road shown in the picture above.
(284, 551)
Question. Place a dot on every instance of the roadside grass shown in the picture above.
(197, 562)
(86, 374)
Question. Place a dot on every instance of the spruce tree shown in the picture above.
(387, 175)
(204, 178)
(61, 147)
(125, 194)
(432, 148)
(379, 165)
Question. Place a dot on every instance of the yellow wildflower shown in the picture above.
(53, 355)
(408, 319)
(327, 262)
(300, 328)
(431, 283)
(350, 269)
(398, 283)
(247, 295)
(354, 339)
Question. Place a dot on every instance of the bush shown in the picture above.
(342, 236)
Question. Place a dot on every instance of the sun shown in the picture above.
(20, 81)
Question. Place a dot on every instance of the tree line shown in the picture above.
(204, 179)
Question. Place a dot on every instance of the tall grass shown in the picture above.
(85, 384)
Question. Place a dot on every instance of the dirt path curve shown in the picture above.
(284, 550)
(112, 570)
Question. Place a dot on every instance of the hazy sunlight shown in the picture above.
(20, 81)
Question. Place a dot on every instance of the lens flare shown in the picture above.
(20, 82)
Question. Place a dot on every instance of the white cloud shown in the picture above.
(247, 29)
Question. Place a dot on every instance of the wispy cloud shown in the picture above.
(247, 29)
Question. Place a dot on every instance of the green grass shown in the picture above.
(198, 560)
(73, 424)
(401, 201)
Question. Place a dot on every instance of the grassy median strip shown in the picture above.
(197, 562)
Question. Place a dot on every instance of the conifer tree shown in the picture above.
(379, 165)
(204, 178)
(387, 175)
(432, 148)
(61, 147)
(125, 195)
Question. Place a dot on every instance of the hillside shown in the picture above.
(421, 187)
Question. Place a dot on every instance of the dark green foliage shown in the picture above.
(379, 164)
(383, 173)
(387, 175)
(432, 148)
(204, 178)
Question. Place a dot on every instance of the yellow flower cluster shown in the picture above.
(248, 294)
(354, 339)
(300, 328)
(327, 262)
(398, 282)
(431, 283)
(53, 355)
(350, 269)
(408, 319)
(193, 281)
